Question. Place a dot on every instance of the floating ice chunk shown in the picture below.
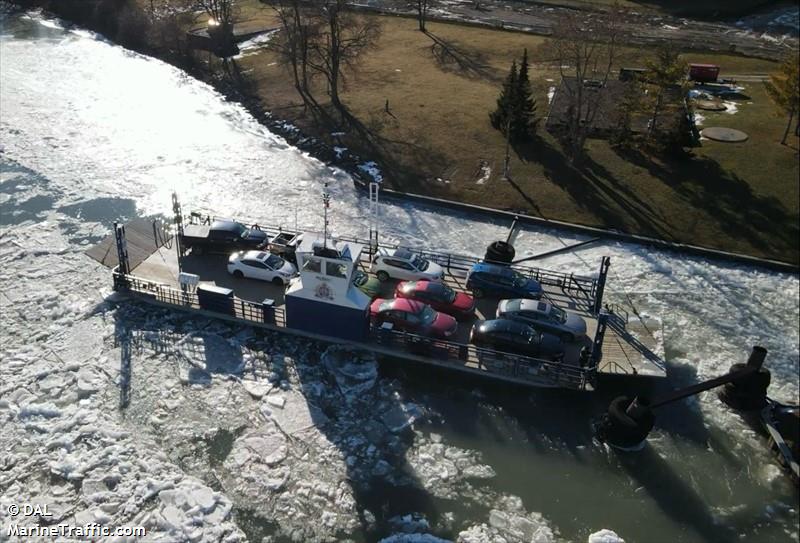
(605, 536)
(413, 538)
(257, 389)
(410, 523)
(372, 169)
(400, 417)
(46, 410)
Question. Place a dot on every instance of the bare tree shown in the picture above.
(343, 36)
(293, 44)
(666, 70)
(423, 6)
(585, 48)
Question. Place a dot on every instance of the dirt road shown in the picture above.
(644, 28)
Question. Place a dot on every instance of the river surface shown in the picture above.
(205, 431)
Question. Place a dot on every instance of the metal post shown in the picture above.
(374, 209)
(122, 249)
(601, 285)
(176, 209)
(597, 345)
(326, 202)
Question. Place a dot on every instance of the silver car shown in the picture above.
(543, 316)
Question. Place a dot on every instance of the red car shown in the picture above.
(439, 296)
(413, 316)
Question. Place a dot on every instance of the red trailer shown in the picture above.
(703, 73)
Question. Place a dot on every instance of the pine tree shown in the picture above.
(524, 122)
(503, 115)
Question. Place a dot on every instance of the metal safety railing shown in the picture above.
(578, 286)
(238, 308)
(534, 371)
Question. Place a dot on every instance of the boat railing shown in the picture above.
(519, 367)
(578, 285)
(160, 292)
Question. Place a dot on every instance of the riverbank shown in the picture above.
(431, 144)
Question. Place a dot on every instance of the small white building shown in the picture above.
(323, 300)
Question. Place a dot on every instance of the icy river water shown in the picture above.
(203, 431)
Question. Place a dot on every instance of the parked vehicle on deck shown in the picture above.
(413, 316)
(261, 265)
(367, 284)
(406, 265)
(439, 296)
(500, 281)
(543, 316)
(222, 236)
(516, 337)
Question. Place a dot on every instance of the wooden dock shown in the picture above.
(630, 346)
(144, 237)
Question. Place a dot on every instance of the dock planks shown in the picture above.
(141, 240)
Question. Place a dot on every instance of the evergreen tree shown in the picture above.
(524, 122)
(503, 115)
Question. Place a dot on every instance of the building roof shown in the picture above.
(609, 96)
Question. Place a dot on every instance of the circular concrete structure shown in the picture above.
(726, 135)
(709, 105)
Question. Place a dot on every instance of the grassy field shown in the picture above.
(437, 140)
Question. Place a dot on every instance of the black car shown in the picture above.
(222, 236)
(516, 337)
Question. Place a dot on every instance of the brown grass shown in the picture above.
(440, 89)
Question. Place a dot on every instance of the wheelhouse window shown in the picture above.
(312, 264)
(334, 269)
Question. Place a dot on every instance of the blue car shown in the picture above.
(501, 282)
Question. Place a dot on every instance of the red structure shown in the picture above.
(703, 73)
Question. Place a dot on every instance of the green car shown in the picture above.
(366, 284)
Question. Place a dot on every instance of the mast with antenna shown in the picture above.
(326, 202)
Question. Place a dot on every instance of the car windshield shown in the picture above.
(427, 315)
(241, 230)
(274, 262)
(558, 315)
(443, 292)
(420, 263)
(532, 336)
(519, 280)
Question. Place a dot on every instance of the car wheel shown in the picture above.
(238, 274)
(277, 281)
(382, 276)
(478, 293)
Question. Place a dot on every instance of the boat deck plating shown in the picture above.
(629, 348)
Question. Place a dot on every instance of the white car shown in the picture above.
(261, 265)
(405, 265)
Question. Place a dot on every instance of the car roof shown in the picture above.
(494, 269)
(404, 304)
(504, 325)
(225, 224)
(403, 253)
(257, 255)
(535, 305)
